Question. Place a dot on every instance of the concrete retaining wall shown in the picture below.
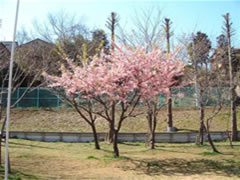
(128, 137)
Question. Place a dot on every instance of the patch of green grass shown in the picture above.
(24, 156)
(154, 163)
(210, 153)
(92, 157)
(17, 175)
(112, 157)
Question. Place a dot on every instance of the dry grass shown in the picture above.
(45, 161)
(68, 120)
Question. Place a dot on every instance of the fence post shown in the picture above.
(159, 99)
(217, 96)
(180, 99)
(18, 95)
(58, 101)
(37, 97)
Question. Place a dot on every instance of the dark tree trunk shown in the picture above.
(210, 140)
(0, 150)
(1, 137)
(97, 146)
(234, 118)
(170, 120)
(9, 164)
(152, 140)
(109, 136)
(151, 126)
(201, 131)
(115, 144)
(211, 143)
(90, 120)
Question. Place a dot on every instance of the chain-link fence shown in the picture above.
(44, 97)
(38, 97)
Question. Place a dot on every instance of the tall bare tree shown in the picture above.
(60, 26)
(28, 66)
(69, 33)
(167, 25)
(199, 50)
(227, 27)
(208, 82)
(111, 24)
(146, 29)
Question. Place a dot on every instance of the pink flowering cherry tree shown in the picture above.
(170, 69)
(116, 82)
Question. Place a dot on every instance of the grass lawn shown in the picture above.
(45, 161)
(66, 119)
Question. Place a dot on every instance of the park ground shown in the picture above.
(45, 161)
(31, 160)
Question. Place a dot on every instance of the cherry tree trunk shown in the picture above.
(109, 136)
(115, 144)
(170, 120)
(151, 126)
(151, 140)
(97, 146)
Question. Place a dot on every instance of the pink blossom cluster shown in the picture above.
(120, 73)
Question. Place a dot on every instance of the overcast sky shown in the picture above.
(187, 16)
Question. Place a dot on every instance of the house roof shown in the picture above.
(8, 44)
(35, 42)
(4, 50)
(4, 56)
(235, 52)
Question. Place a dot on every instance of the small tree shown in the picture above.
(147, 30)
(206, 80)
(176, 67)
(199, 50)
(24, 75)
(121, 78)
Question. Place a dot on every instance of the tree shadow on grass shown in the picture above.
(28, 146)
(182, 167)
(130, 144)
(17, 175)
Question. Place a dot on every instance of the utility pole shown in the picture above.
(7, 167)
(227, 28)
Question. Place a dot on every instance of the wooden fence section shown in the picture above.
(176, 137)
